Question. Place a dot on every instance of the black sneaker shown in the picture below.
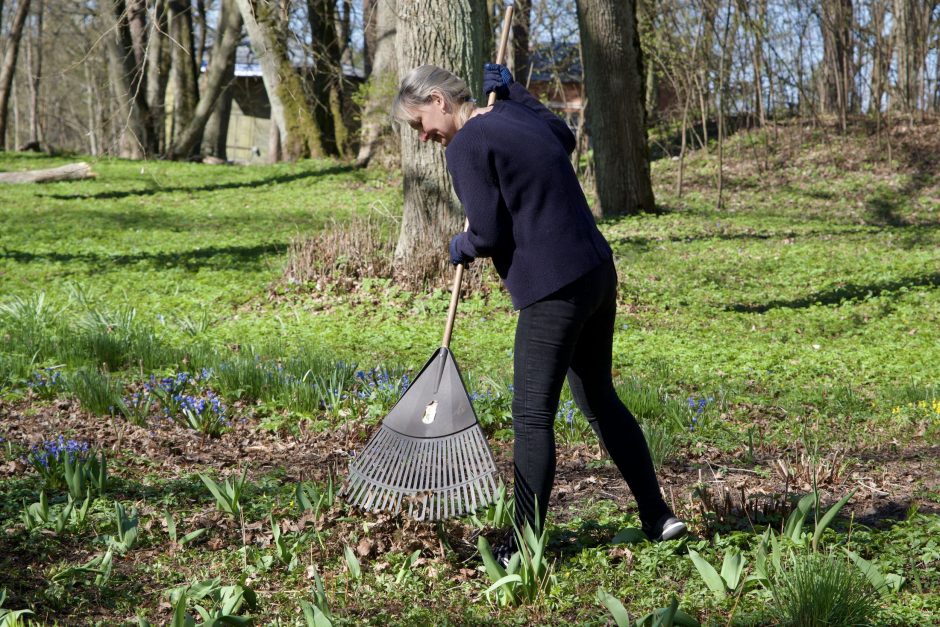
(666, 528)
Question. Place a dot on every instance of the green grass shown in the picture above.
(803, 313)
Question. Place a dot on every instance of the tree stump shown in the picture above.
(70, 172)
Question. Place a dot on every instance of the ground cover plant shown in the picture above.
(180, 395)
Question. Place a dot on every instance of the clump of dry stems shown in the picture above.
(343, 255)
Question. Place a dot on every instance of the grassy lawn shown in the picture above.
(784, 341)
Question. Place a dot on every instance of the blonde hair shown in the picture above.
(419, 86)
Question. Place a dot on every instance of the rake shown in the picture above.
(429, 453)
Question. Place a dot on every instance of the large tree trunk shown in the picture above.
(184, 73)
(299, 134)
(158, 73)
(382, 83)
(126, 76)
(9, 64)
(327, 75)
(221, 67)
(446, 33)
(616, 113)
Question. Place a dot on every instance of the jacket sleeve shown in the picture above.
(518, 93)
(468, 162)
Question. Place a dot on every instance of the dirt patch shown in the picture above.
(710, 489)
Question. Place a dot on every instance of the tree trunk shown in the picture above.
(158, 73)
(184, 73)
(299, 134)
(34, 63)
(912, 21)
(449, 34)
(755, 25)
(327, 75)
(646, 22)
(521, 25)
(382, 84)
(215, 137)
(134, 131)
(838, 72)
(91, 104)
(221, 66)
(616, 113)
(880, 55)
(137, 25)
(369, 34)
(9, 64)
(203, 28)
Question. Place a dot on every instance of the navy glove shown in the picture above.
(457, 257)
(496, 78)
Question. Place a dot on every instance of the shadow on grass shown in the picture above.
(274, 180)
(847, 292)
(221, 256)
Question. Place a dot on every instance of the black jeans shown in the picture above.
(571, 333)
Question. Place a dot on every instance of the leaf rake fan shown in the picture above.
(429, 452)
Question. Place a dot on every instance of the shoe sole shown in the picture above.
(673, 531)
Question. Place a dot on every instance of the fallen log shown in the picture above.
(70, 172)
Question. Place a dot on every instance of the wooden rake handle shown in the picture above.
(458, 274)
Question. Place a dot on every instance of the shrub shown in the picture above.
(342, 255)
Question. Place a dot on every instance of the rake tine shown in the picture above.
(468, 455)
(402, 453)
(480, 466)
(441, 483)
(462, 467)
(448, 478)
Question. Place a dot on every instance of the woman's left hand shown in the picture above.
(457, 257)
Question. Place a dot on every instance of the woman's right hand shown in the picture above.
(497, 78)
(456, 256)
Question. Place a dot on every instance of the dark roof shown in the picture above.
(556, 60)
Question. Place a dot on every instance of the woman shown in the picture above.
(511, 169)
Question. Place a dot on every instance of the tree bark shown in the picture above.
(327, 75)
(912, 25)
(221, 67)
(184, 73)
(448, 34)
(521, 25)
(299, 134)
(200, 55)
(838, 71)
(158, 73)
(382, 84)
(880, 55)
(369, 34)
(9, 64)
(34, 63)
(616, 113)
(70, 172)
(126, 75)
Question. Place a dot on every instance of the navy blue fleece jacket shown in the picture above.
(526, 209)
